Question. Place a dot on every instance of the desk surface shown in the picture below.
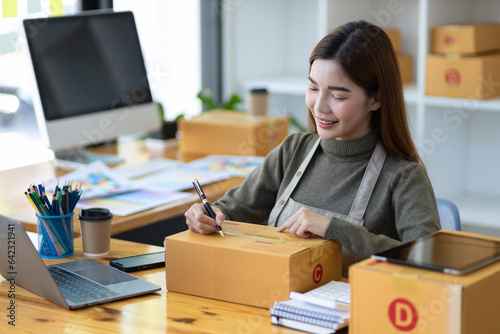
(160, 312)
(15, 181)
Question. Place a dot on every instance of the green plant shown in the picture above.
(295, 123)
(206, 97)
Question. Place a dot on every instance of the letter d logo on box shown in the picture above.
(403, 314)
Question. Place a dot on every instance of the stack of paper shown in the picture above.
(115, 190)
(309, 316)
(235, 165)
(133, 188)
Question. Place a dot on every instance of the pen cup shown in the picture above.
(55, 236)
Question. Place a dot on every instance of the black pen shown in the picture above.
(206, 204)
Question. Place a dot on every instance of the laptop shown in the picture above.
(446, 252)
(72, 285)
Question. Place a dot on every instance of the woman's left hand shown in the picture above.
(306, 223)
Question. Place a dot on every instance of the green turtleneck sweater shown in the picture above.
(402, 206)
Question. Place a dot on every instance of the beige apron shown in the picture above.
(285, 206)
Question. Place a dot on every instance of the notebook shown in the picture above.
(79, 283)
(446, 252)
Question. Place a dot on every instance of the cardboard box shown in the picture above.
(469, 77)
(252, 265)
(395, 37)
(406, 67)
(391, 298)
(233, 133)
(465, 39)
(405, 59)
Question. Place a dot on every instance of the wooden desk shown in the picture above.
(15, 181)
(160, 312)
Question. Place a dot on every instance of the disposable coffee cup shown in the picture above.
(95, 226)
(257, 102)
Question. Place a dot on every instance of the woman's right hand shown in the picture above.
(198, 220)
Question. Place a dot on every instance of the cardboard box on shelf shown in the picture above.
(468, 77)
(392, 298)
(405, 59)
(465, 39)
(395, 37)
(252, 265)
(406, 67)
(229, 132)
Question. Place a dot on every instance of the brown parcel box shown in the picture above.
(406, 67)
(391, 298)
(229, 132)
(465, 39)
(252, 265)
(469, 77)
(395, 37)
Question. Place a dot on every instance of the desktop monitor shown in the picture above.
(91, 79)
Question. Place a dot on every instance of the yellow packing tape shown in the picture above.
(451, 39)
(406, 281)
(316, 247)
(452, 76)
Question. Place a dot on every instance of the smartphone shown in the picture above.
(139, 262)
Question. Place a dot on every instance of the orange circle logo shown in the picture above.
(449, 40)
(403, 314)
(452, 77)
(317, 273)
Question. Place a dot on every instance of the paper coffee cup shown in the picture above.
(95, 226)
(257, 102)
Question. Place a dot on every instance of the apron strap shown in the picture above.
(370, 177)
(282, 200)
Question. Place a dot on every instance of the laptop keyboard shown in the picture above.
(77, 288)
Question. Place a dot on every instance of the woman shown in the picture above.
(357, 177)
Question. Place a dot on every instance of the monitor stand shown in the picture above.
(77, 157)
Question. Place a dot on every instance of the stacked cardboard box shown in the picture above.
(405, 59)
(464, 61)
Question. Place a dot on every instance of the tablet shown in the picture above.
(445, 252)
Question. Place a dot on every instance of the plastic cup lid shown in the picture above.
(95, 214)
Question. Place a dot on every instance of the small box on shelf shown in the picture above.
(395, 37)
(406, 67)
(468, 77)
(465, 39)
(405, 60)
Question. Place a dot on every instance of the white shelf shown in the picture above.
(411, 93)
(287, 84)
(447, 102)
(297, 85)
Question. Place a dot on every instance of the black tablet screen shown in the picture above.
(443, 251)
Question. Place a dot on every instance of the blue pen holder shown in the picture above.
(55, 236)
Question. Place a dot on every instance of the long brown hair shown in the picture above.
(367, 56)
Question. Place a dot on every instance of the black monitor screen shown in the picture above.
(87, 63)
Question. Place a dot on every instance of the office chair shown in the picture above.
(448, 214)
